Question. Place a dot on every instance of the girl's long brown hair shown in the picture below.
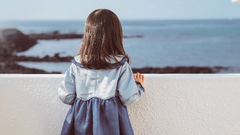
(102, 37)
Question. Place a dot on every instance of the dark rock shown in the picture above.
(6, 50)
(19, 41)
(172, 70)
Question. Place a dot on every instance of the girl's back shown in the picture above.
(100, 85)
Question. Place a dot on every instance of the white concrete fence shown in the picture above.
(172, 105)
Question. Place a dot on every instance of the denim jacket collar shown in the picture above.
(121, 58)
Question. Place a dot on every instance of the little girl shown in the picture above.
(99, 84)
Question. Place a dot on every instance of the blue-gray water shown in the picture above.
(164, 43)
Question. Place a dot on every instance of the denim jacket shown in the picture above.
(84, 83)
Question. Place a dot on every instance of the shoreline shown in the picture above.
(8, 60)
(180, 70)
(10, 66)
(14, 68)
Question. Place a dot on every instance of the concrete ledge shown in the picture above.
(173, 104)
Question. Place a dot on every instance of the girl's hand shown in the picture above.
(140, 78)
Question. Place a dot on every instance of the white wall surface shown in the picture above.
(172, 105)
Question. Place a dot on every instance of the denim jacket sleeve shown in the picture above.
(67, 88)
(130, 91)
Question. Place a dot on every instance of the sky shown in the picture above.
(125, 9)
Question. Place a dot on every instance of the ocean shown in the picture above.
(163, 43)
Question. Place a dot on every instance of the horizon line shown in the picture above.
(126, 19)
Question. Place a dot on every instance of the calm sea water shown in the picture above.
(164, 42)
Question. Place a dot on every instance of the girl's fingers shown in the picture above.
(143, 78)
(138, 75)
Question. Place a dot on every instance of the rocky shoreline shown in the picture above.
(12, 67)
(12, 40)
(180, 70)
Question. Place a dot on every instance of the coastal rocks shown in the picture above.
(6, 50)
(177, 70)
(165, 70)
(14, 40)
(12, 68)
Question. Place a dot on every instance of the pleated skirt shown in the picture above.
(97, 117)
